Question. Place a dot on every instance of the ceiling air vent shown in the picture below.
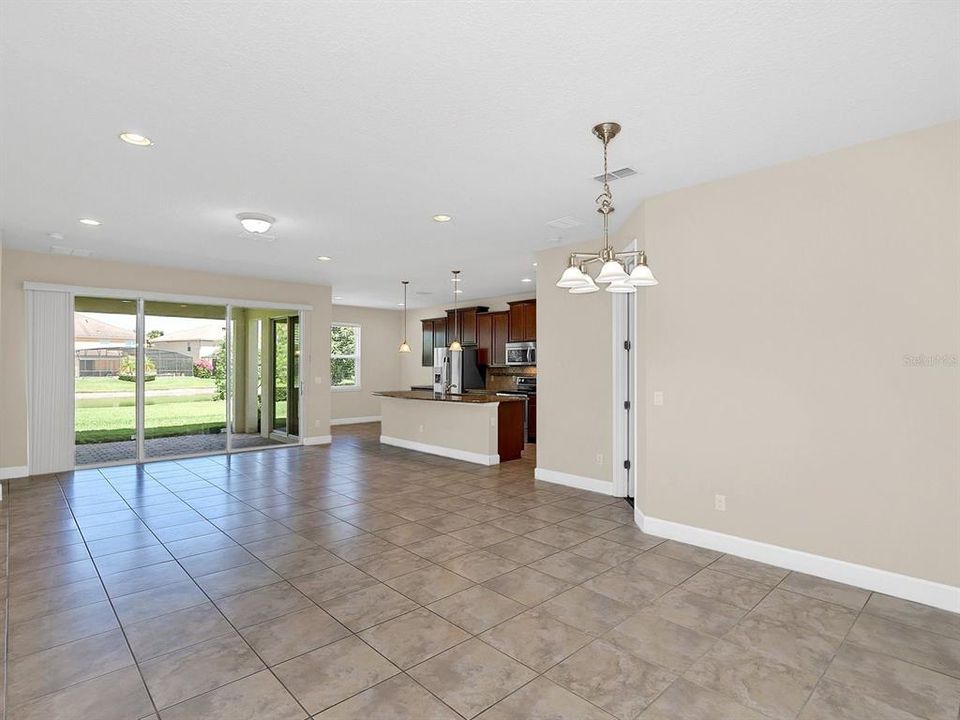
(564, 223)
(616, 175)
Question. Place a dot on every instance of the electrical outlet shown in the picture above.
(421, 428)
(317, 423)
(318, 380)
(658, 398)
(720, 502)
(599, 458)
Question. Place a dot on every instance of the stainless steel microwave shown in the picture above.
(521, 353)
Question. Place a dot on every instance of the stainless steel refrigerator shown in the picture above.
(456, 372)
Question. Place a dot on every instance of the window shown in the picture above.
(344, 356)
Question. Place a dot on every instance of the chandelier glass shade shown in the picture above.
(455, 345)
(613, 265)
(404, 345)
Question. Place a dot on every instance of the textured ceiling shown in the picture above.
(354, 123)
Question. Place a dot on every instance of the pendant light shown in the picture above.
(455, 345)
(613, 272)
(404, 346)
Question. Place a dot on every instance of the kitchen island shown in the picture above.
(486, 429)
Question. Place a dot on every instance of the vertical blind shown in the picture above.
(50, 383)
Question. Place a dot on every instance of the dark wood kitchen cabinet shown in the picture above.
(532, 418)
(465, 324)
(434, 332)
(492, 333)
(523, 321)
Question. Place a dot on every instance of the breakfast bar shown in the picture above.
(486, 429)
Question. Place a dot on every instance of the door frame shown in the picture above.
(624, 374)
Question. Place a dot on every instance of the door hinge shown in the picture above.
(626, 404)
(627, 345)
(626, 464)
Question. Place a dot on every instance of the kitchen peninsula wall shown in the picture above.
(411, 370)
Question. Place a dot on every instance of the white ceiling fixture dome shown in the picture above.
(256, 223)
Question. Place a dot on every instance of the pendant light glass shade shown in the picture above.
(642, 276)
(621, 286)
(572, 277)
(455, 345)
(589, 287)
(404, 346)
(612, 271)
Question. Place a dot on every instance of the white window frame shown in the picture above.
(355, 357)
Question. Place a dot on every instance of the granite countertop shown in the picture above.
(475, 399)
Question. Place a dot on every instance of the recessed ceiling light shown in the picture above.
(534, 264)
(399, 304)
(337, 297)
(89, 221)
(135, 139)
(442, 218)
(527, 280)
(256, 223)
(324, 258)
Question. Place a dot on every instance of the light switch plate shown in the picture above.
(658, 398)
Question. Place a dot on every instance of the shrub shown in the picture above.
(203, 368)
(128, 369)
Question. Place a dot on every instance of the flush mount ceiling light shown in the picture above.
(324, 258)
(256, 223)
(613, 271)
(90, 222)
(442, 218)
(455, 345)
(527, 280)
(132, 138)
(404, 346)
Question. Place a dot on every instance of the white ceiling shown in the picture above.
(353, 123)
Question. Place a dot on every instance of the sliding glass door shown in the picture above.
(285, 333)
(164, 379)
(185, 379)
(265, 388)
(105, 380)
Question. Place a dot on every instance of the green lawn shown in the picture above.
(96, 422)
(112, 384)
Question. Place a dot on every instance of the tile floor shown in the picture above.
(359, 581)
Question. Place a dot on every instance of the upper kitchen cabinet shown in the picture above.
(434, 333)
(492, 334)
(465, 324)
(523, 321)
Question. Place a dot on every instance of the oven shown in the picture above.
(521, 353)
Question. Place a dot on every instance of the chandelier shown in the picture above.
(613, 272)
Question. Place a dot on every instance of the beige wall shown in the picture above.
(19, 267)
(411, 371)
(379, 360)
(791, 301)
(574, 385)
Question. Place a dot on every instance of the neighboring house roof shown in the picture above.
(87, 328)
(212, 332)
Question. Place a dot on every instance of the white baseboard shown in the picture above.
(471, 457)
(575, 481)
(16, 471)
(945, 597)
(355, 420)
(318, 440)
